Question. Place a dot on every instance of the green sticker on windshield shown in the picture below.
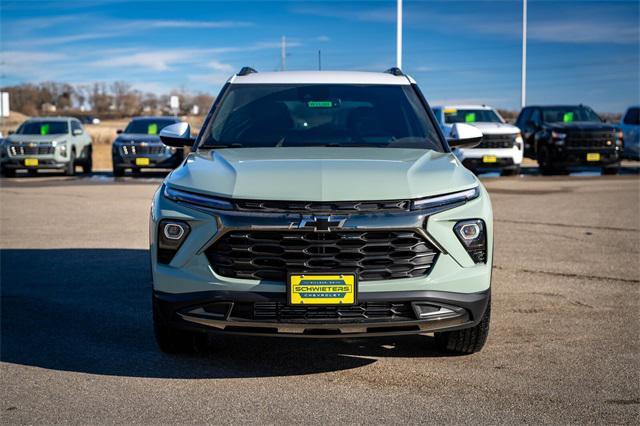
(320, 104)
(470, 117)
(44, 129)
(152, 129)
(567, 117)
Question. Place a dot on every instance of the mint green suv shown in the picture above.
(321, 204)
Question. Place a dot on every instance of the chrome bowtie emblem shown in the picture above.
(321, 224)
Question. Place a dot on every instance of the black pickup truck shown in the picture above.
(563, 136)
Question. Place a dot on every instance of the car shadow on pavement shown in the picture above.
(88, 310)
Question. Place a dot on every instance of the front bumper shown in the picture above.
(188, 282)
(226, 312)
(568, 156)
(159, 161)
(43, 163)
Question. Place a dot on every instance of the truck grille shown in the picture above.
(281, 312)
(26, 149)
(590, 139)
(323, 207)
(137, 149)
(497, 141)
(371, 255)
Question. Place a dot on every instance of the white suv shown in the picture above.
(501, 147)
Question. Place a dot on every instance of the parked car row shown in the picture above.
(557, 137)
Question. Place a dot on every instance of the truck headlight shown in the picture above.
(472, 235)
(62, 148)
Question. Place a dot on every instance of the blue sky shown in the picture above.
(458, 51)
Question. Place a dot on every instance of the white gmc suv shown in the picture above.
(501, 147)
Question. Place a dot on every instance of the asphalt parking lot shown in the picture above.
(77, 347)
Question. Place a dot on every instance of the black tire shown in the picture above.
(169, 339)
(71, 166)
(87, 166)
(611, 170)
(9, 173)
(118, 171)
(468, 340)
(515, 171)
(544, 162)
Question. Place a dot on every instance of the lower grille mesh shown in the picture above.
(275, 311)
(371, 255)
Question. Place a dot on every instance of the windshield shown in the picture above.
(151, 126)
(452, 115)
(344, 115)
(43, 128)
(568, 114)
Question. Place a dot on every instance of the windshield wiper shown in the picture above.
(230, 145)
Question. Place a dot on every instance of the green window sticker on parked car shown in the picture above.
(320, 104)
(470, 118)
(152, 129)
(567, 117)
(44, 129)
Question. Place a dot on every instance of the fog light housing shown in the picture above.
(472, 235)
(171, 235)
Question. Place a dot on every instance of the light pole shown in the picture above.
(399, 35)
(523, 88)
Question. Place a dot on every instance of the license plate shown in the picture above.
(593, 156)
(489, 159)
(31, 162)
(321, 289)
(142, 161)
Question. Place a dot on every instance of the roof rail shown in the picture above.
(246, 71)
(394, 71)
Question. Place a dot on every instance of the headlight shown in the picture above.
(171, 149)
(557, 135)
(62, 148)
(620, 138)
(472, 235)
(171, 235)
(443, 200)
(197, 199)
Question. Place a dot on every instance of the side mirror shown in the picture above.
(464, 136)
(119, 131)
(77, 132)
(177, 135)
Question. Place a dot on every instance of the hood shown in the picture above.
(321, 174)
(581, 126)
(37, 138)
(133, 137)
(496, 128)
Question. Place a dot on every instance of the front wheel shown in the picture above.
(8, 172)
(515, 171)
(87, 166)
(611, 170)
(71, 166)
(468, 340)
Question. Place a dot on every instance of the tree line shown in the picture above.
(118, 99)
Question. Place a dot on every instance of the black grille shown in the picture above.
(372, 255)
(31, 150)
(590, 139)
(323, 207)
(497, 141)
(138, 149)
(280, 312)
